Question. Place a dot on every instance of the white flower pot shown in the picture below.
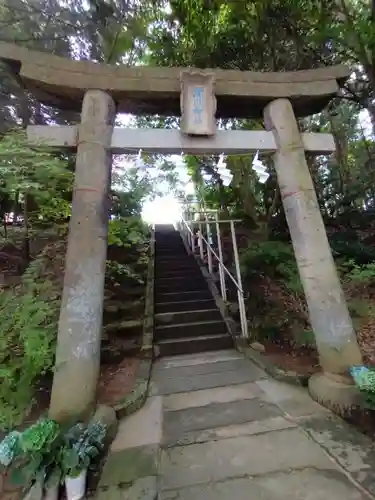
(51, 493)
(76, 486)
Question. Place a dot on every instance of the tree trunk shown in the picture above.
(80, 326)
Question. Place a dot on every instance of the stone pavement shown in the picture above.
(216, 427)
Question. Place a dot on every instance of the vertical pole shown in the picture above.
(330, 320)
(192, 227)
(200, 241)
(221, 270)
(189, 238)
(183, 227)
(209, 254)
(241, 298)
(80, 326)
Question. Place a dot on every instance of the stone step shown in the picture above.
(179, 274)
(175, 261)
(181, 255)
(180, 317)
(182, 296)
(187, 305)
(183, 268)
(171, 250)
(170, 245)
(201, 328)
(165, 242)
(191, 345)
(182, 288)
(163, 285)
(164, 235)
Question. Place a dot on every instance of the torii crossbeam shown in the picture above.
(162, 141)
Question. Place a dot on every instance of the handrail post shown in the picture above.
(221, 270)
(192, 234)
(209, 255)
(189, 238)
(241, 299)
(200, 241)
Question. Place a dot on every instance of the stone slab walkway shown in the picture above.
(216, 427)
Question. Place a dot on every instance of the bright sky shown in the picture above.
(166, 210)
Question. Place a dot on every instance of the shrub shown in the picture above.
(349, 249)
(364, 274)
(274, 259)
(127, 232)
(27, 343)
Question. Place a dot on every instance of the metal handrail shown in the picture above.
(215, 255)
(222, 267)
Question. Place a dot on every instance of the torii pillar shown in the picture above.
(330, 320)
(77, 362)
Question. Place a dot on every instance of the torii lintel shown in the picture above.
(62, 83)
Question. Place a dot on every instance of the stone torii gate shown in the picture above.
(99, 91)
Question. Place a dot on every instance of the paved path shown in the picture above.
(216, 427)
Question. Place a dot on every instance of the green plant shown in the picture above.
(33, 455)
(117, 272)
(81, 445)
(27, 337)
(364, 379)
(9, 448)
(274, 259)
(364, 274)
(127, 232)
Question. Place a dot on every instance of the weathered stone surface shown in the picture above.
(291, 377)
(205, 397)
(240, 456)
(257, 346)
(231, 431)
(337, 396)
(61, 82)
(197, 359)
(177, 423)
(168, 141)
(165, 384)
(77, 361)
(148, 322)
(308, 484)
(293, 400)
(124, 467)
(205, 455)
(133, 401)
(141, 489)
(351, 449)
(328, 312)
(202, 369)
(142, 428)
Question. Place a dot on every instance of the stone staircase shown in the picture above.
(187, 319)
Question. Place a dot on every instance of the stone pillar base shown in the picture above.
(338, 396)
